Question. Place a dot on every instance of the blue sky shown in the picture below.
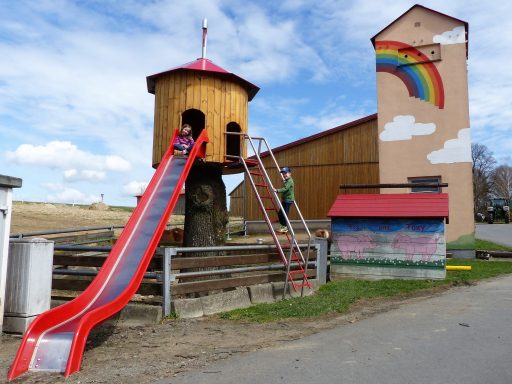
(76, 119)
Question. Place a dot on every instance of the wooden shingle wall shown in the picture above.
(221, 101)
(346, 156)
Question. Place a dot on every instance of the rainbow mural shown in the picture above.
(421, 78)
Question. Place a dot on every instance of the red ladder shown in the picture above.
(289, 250)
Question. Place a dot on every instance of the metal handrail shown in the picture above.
(58, 231)
(301, 218)
(276, 200)
(310, 239)
(262, 206)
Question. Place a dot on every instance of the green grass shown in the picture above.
(337, 297)
(489, 246)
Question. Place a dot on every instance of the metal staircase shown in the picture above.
(294, 259)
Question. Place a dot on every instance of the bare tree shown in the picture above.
(502, 182)
(483, 167)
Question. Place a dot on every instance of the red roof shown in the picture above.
(391, 205)
(205, 65)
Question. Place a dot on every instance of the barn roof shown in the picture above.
(321, 134)
(236, 188)
(391, 205)
(205, 65)
(466, 25)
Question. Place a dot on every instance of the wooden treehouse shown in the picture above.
(206, 96)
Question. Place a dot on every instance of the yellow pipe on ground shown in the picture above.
(458, 267)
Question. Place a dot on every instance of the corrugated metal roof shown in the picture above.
(205, 65)
(391, 205)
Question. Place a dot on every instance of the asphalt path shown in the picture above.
(461, 336)
(497, 233)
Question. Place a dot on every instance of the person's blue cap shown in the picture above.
(285, 170)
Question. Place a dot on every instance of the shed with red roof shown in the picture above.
(389, 235)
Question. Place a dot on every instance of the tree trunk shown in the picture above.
(206, 213)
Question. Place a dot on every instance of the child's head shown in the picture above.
(186, 130)
(286, 172)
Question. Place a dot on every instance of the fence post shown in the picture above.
(7, 183)
(321, 260)
(168, 254)
(228, 234)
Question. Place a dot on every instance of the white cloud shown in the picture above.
(404, 127)
(454, 151)
(84, 175)
(72, 71)
(135, 188)
(62, 194)
(456, 36)
(63, 155)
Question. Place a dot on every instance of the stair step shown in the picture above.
(302, 285)
(260, 185)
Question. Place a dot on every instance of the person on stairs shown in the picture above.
(184, 141)
(287, 197)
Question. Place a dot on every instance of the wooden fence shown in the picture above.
(74, 270)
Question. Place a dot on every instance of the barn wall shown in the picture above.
(319, 167)
(236, 199)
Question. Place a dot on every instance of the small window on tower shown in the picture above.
(422, 188)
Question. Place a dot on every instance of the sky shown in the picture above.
(76, 119)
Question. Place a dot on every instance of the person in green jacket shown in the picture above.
(287, 197)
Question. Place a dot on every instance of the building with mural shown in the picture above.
(423, 111)
(420, 133)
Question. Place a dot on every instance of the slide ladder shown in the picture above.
(295, 260)
(56, 339)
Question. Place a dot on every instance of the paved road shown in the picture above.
(463, 336)
(497, 233)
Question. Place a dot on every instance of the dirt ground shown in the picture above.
(146, 354)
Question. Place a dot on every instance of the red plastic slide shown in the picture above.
(56, 339)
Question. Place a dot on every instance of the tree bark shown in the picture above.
(206, 213)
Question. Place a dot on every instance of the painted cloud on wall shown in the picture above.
(404, 127)
(455, 36)
(454, 151)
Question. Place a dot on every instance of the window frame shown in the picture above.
(425, 179)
